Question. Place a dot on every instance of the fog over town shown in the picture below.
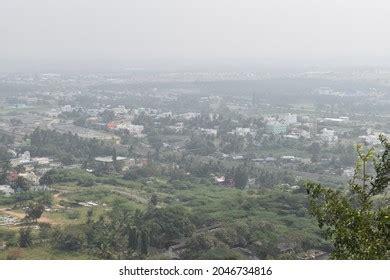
(194, 129)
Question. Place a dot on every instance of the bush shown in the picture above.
(8, 236)
(14, 254)
(44, 230)
(69, 239)
(73, 215)
(179, 185)
(25, 239)
(86, 182)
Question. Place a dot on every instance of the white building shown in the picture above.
(120, 110)
(209, 131)
(66, 108)
(242, 131)
(165, 115)
(289, 119)
(188, 116)
(26, 156)
(133, 129)
(23, 159)
(275, 127)
(7, 190)
(328, 136)
(178, 127)
(298, 134)
(41, 160)
(370, 140)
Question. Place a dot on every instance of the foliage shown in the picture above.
(107, 116)
(34, 211)
(44, 231)
(358, 227)
(154, 199)
(207, 247)
(21, 184)
(200, 146)
(55, 176)
(25, 238)
(6, 139)
(69, 239)
(4, 153)
(65, 146)
(240, 177)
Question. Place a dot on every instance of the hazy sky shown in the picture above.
(161, 33)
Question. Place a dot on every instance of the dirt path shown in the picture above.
(56, 200)
(125, 192)
(22, 215)
(57, 195)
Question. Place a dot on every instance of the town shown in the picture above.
(209, 164)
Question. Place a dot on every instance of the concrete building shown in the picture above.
(107, 163)
(298, 134)
(25, 158)
(132, 129)
(289, 118)
(177, 128)
(66, 108)
(209, 131)
(328, 136)
(275, 127)
(7, 190)
(243, 131)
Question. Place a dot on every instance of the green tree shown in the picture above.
(25, 238)
(357, 221)
(69, 239)
(46, 199)
(21, 184)
(6, 168)
(144, 240)
(34, 211)
(240, 177)
(44, 230)
(315, 150)
(165, 224)
(154, 199)
(5, 155)
(107, 116)
(48, 178)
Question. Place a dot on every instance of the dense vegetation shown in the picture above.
(178, 210)
(67, 147)
(358, 222)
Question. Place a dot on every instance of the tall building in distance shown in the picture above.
(276, 127)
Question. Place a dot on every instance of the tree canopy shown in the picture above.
(358, 220)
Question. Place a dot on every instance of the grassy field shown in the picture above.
(41, 252)
(11, 111)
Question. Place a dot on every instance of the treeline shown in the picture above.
(67, 147)
(79, 176)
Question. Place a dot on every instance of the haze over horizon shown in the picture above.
(47, 35)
